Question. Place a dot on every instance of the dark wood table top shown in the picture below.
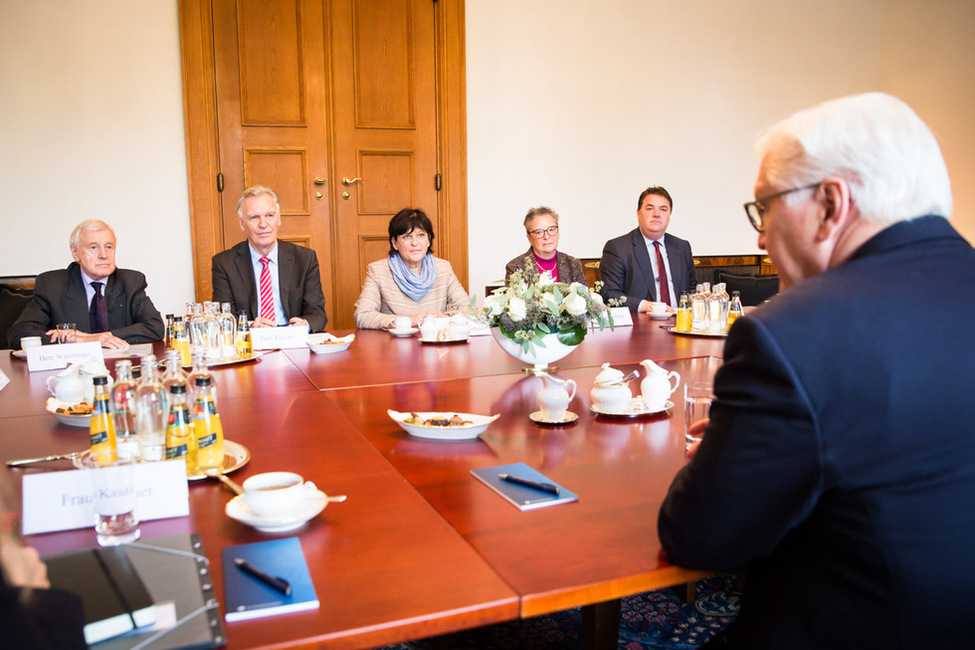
(420, 548)
(602, 547)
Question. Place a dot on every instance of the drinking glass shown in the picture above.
(112, 475)
(698, 396)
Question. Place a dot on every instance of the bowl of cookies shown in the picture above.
(74, 415)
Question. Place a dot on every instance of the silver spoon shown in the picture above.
(625, 380)
(219, 475)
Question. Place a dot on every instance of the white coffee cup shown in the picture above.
(401, 323)
(30, 342)
(658, 308)
(276, 493)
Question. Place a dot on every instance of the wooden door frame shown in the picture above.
(202, 152)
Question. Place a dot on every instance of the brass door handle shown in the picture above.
(350, 181)
(319, 181)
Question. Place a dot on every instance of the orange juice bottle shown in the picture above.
(735, 310)
(182, 342)
(102, 429)
(207, 427)
(180, 441)
(684, 313)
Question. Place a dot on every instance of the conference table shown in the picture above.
(421, 548)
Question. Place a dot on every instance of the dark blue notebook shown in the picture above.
(248, 597)
(525, 498)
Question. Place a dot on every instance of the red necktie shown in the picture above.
(267, 296)
(664, 293)
(98, 310)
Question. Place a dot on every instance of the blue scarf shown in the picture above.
(413, 285)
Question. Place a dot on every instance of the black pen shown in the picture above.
(544, 487)
(279, 584)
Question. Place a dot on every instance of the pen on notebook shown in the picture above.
(544, 487)
(280, 584)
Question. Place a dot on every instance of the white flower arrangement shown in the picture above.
(526, 313)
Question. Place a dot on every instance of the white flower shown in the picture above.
(517, 309)
(575, 304)
(597, 300)
(545, 279)
(494, 304)
(575, 286)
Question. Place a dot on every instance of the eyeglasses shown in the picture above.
(541, 232)
(418, 237)
(756, 209)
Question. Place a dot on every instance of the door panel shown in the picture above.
(384, 63)
(270, 60)
(299, 94)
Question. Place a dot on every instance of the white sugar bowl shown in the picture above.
(610, 394)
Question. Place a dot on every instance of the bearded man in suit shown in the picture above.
(106, 304)
(647, 264)
(274, 281)
(838, 465)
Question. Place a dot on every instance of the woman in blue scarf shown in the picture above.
(410, 281)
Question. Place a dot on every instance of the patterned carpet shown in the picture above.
(655, 619)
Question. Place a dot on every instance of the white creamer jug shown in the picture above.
(656, 387)
(555, 396)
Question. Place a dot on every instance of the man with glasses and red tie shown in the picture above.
(105, 303)
(647, 264)
(275, 282)
(837, 469)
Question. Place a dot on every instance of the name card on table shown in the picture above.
(621, 316)
(277, 338)
(53, 357)
(64, 500)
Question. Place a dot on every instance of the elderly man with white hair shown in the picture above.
(837, 470)
(106, 304)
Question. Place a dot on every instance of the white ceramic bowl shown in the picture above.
(326, 343)
(463, 432)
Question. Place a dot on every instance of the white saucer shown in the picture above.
(19, 354)
(407, 332)
(664, 317)
(309, 508)
(634, 409)
(442, 341)
(568, 418)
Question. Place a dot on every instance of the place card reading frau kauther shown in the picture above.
(64, 500)
(53, 357)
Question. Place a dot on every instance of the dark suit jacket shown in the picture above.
(569, 268)
(625, 268)
(838, 467)
(59, 297)
(298, 280)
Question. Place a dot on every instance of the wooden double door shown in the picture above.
(349, 109)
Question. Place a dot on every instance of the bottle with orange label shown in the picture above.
(684, 313)
(102, 429)
(180, 438)
(735, 310)
(208, 430)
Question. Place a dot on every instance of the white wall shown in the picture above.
(580, 105)
(92, 126)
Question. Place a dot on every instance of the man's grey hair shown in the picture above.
(89, 225)
(257, 190)
(875, 142)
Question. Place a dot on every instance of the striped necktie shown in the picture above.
(267, 296)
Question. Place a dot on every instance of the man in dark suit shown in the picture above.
(107, 304)
(646, 264)
(838, 465)
(275, 282)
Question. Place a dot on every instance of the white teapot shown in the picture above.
(68, 386)
(554, 397)
(429, 328)
(656, 387)
(610, 394)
